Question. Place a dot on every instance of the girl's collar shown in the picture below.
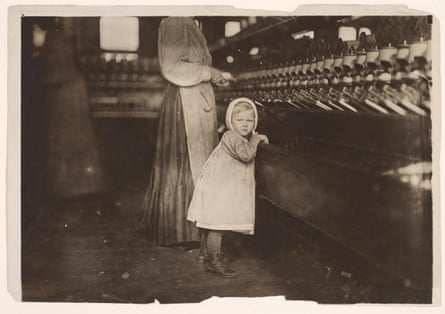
(245, 138)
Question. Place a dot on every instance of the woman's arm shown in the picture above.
(173, 45)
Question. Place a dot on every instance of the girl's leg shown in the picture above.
(203, 253)
(216, 264)
(214, 239)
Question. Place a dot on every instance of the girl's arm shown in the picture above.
(239, 148)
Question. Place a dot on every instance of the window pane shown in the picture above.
(38, 36)
(119, 33)
(232, 28)
(347, 33)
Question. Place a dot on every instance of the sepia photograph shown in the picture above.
(176, 157)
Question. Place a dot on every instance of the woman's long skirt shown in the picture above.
(72, 163)
(170, 187)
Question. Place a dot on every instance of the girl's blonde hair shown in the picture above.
(240, 107)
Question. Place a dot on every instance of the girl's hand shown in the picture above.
(264, 139)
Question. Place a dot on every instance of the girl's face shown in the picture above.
(243, 122)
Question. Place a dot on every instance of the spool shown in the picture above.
(417, 50)
(361, 57)
(372, 57)
(403, 51)
(349, 61)
(313, 66)
(327, 65)
(297, 68)
(387, 55)
(429, 51)
(338, 61)
(320, 64)
(306, 66)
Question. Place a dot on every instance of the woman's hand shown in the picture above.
(228, 76)
(225, 80)
(220, 78)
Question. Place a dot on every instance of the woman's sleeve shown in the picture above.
(240, 149)
(173, 45)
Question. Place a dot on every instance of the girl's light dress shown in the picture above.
(224, 196)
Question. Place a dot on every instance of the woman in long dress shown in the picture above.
(72, 166)
(187, 131)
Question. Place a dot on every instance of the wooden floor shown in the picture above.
(86, 250)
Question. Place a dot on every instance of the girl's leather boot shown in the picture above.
(217, 266)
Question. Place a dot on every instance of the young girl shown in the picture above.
(224, 197)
